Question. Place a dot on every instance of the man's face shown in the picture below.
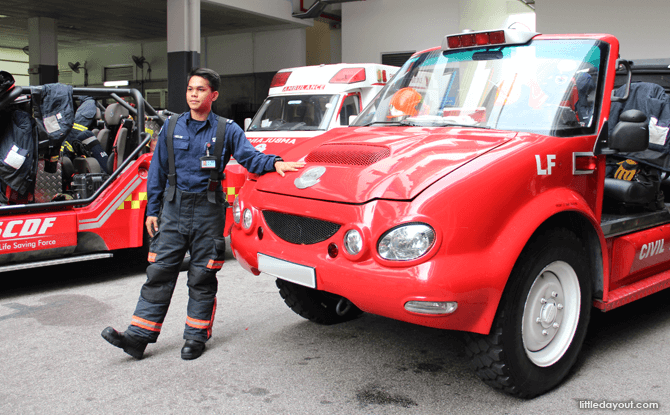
(199, 94)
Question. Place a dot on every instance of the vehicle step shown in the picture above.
(37, 264)
(635, 291)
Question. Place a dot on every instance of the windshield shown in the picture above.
(545, 86)
(297, 112)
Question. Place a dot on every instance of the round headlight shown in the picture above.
(246, 219)
(406, 242)
(353, 242)
(236, 209)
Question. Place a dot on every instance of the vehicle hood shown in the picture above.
(366, 163)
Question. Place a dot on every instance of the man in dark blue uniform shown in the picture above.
(187, 212)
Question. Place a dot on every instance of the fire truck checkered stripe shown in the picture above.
(348, 154)
(230, 194)
(299, 229)
(133, 201)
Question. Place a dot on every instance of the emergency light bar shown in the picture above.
(280, 79)
(488, 38)
(348, 76)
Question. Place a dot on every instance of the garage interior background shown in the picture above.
(376, 31)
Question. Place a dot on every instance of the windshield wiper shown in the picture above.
(378, 122)
(451, 124)
(440, 124)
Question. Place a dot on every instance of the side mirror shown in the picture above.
(351, 119)
(631, 132)
(247, 123)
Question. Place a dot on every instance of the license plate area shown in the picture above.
(285, 270)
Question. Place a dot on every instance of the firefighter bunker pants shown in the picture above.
(188, 222)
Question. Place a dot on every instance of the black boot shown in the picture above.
(130, 344)
(192, 349)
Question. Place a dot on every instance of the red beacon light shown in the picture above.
(348, 76)
(280, 79)
(497, 37)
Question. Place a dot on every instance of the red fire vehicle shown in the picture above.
(303, 103)
(474, 194)
(98, 213)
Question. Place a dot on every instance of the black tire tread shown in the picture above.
(314, 305)
(487, 353)
(487, 360)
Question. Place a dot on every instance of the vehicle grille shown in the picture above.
(299, 229)
(348, 154)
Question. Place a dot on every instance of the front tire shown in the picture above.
(317, 306)
(541, 321)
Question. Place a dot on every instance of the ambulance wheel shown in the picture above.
(317, 306)
(541, 321)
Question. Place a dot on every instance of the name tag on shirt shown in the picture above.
(207, 163)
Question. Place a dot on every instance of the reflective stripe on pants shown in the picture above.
(190, 223)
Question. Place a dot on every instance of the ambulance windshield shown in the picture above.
(545, 86)
(297, 112)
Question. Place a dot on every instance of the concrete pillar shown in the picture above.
(43, 50)
(183, 47)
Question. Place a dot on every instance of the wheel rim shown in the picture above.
(551, 314)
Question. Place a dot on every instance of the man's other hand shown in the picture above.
(152, 225)
(283, 166)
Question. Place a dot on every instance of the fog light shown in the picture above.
(260, 233)
(246, 218)
(236, 210)
(431, 307)
(353, 242)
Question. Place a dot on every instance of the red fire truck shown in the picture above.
(501, 184)
(100, 213)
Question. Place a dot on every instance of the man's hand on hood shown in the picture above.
(283, 166)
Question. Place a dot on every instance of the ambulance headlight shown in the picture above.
(353, 242)
(406, 242)
(236, 210)
(246, 218)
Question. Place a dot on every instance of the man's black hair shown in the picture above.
(211, 76)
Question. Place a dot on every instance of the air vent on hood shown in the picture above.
(348, 154)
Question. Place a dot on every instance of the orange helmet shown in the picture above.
(405, 101)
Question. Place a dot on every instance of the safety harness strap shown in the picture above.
(215, 177)
(172, 175)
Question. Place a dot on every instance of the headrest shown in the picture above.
(114, 113)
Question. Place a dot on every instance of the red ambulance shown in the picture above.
(303, 103)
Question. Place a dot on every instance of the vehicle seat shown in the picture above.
(103, 138)
(98, 118)
(632, 183)
(308, 119)
(114, 116)
(633, 193)
(301, 115)
(80, 165)
(120, 150)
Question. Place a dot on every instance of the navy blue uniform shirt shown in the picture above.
(190, 143)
